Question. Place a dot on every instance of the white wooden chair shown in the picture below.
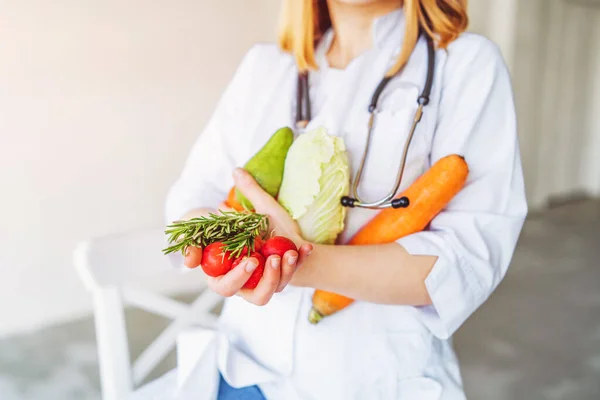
(130, 269)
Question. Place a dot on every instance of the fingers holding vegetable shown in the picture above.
(233, 281)
(281, 223)
(303, 253)
(281, 255)
(257, 274)
(228, 246)
(288, 268)
(231, 252)
(258, 277)
(287, 253)
(193, 256)
(260, 289)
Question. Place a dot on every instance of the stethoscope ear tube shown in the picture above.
(303, 116)
(377, 93)
(424, 97)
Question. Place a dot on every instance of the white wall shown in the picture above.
(99, 101)
(497, 20)
(555, 96)
(592, 174)
(552, 52)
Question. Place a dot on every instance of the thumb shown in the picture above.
(193, 256)
(246, 184)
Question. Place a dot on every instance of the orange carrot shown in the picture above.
(232, 202)
(428, 196)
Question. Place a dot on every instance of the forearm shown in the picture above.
(385, 274)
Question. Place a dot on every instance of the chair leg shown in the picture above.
(157, 350)
(113, 349)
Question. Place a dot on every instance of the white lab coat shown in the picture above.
(369, 351)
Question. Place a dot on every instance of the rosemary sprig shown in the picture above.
(235, 229)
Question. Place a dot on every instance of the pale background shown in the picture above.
(100, 100)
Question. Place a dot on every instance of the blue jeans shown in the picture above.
(226, 392)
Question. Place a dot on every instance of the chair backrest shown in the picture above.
(130, 269)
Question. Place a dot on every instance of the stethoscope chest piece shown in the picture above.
(303, 116)
(401, 202)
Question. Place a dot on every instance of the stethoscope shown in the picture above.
(303, 116)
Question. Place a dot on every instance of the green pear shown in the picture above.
(266, 166)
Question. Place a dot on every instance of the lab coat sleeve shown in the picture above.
(206, 175)
(475, 236)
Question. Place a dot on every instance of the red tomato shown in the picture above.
(237, 261)
(258, 243)
(216, 261)
(193, 256)
(277, 245)
(252, 282)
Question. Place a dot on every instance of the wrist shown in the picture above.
(305, 272)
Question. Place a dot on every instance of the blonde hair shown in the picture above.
(303, 22)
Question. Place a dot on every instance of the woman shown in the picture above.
(394, 342)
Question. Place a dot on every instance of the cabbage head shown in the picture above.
(316, 176)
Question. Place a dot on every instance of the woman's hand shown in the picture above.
(277, 273)
(193, 255)
(280, 222)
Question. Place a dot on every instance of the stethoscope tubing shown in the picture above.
(303, 116)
